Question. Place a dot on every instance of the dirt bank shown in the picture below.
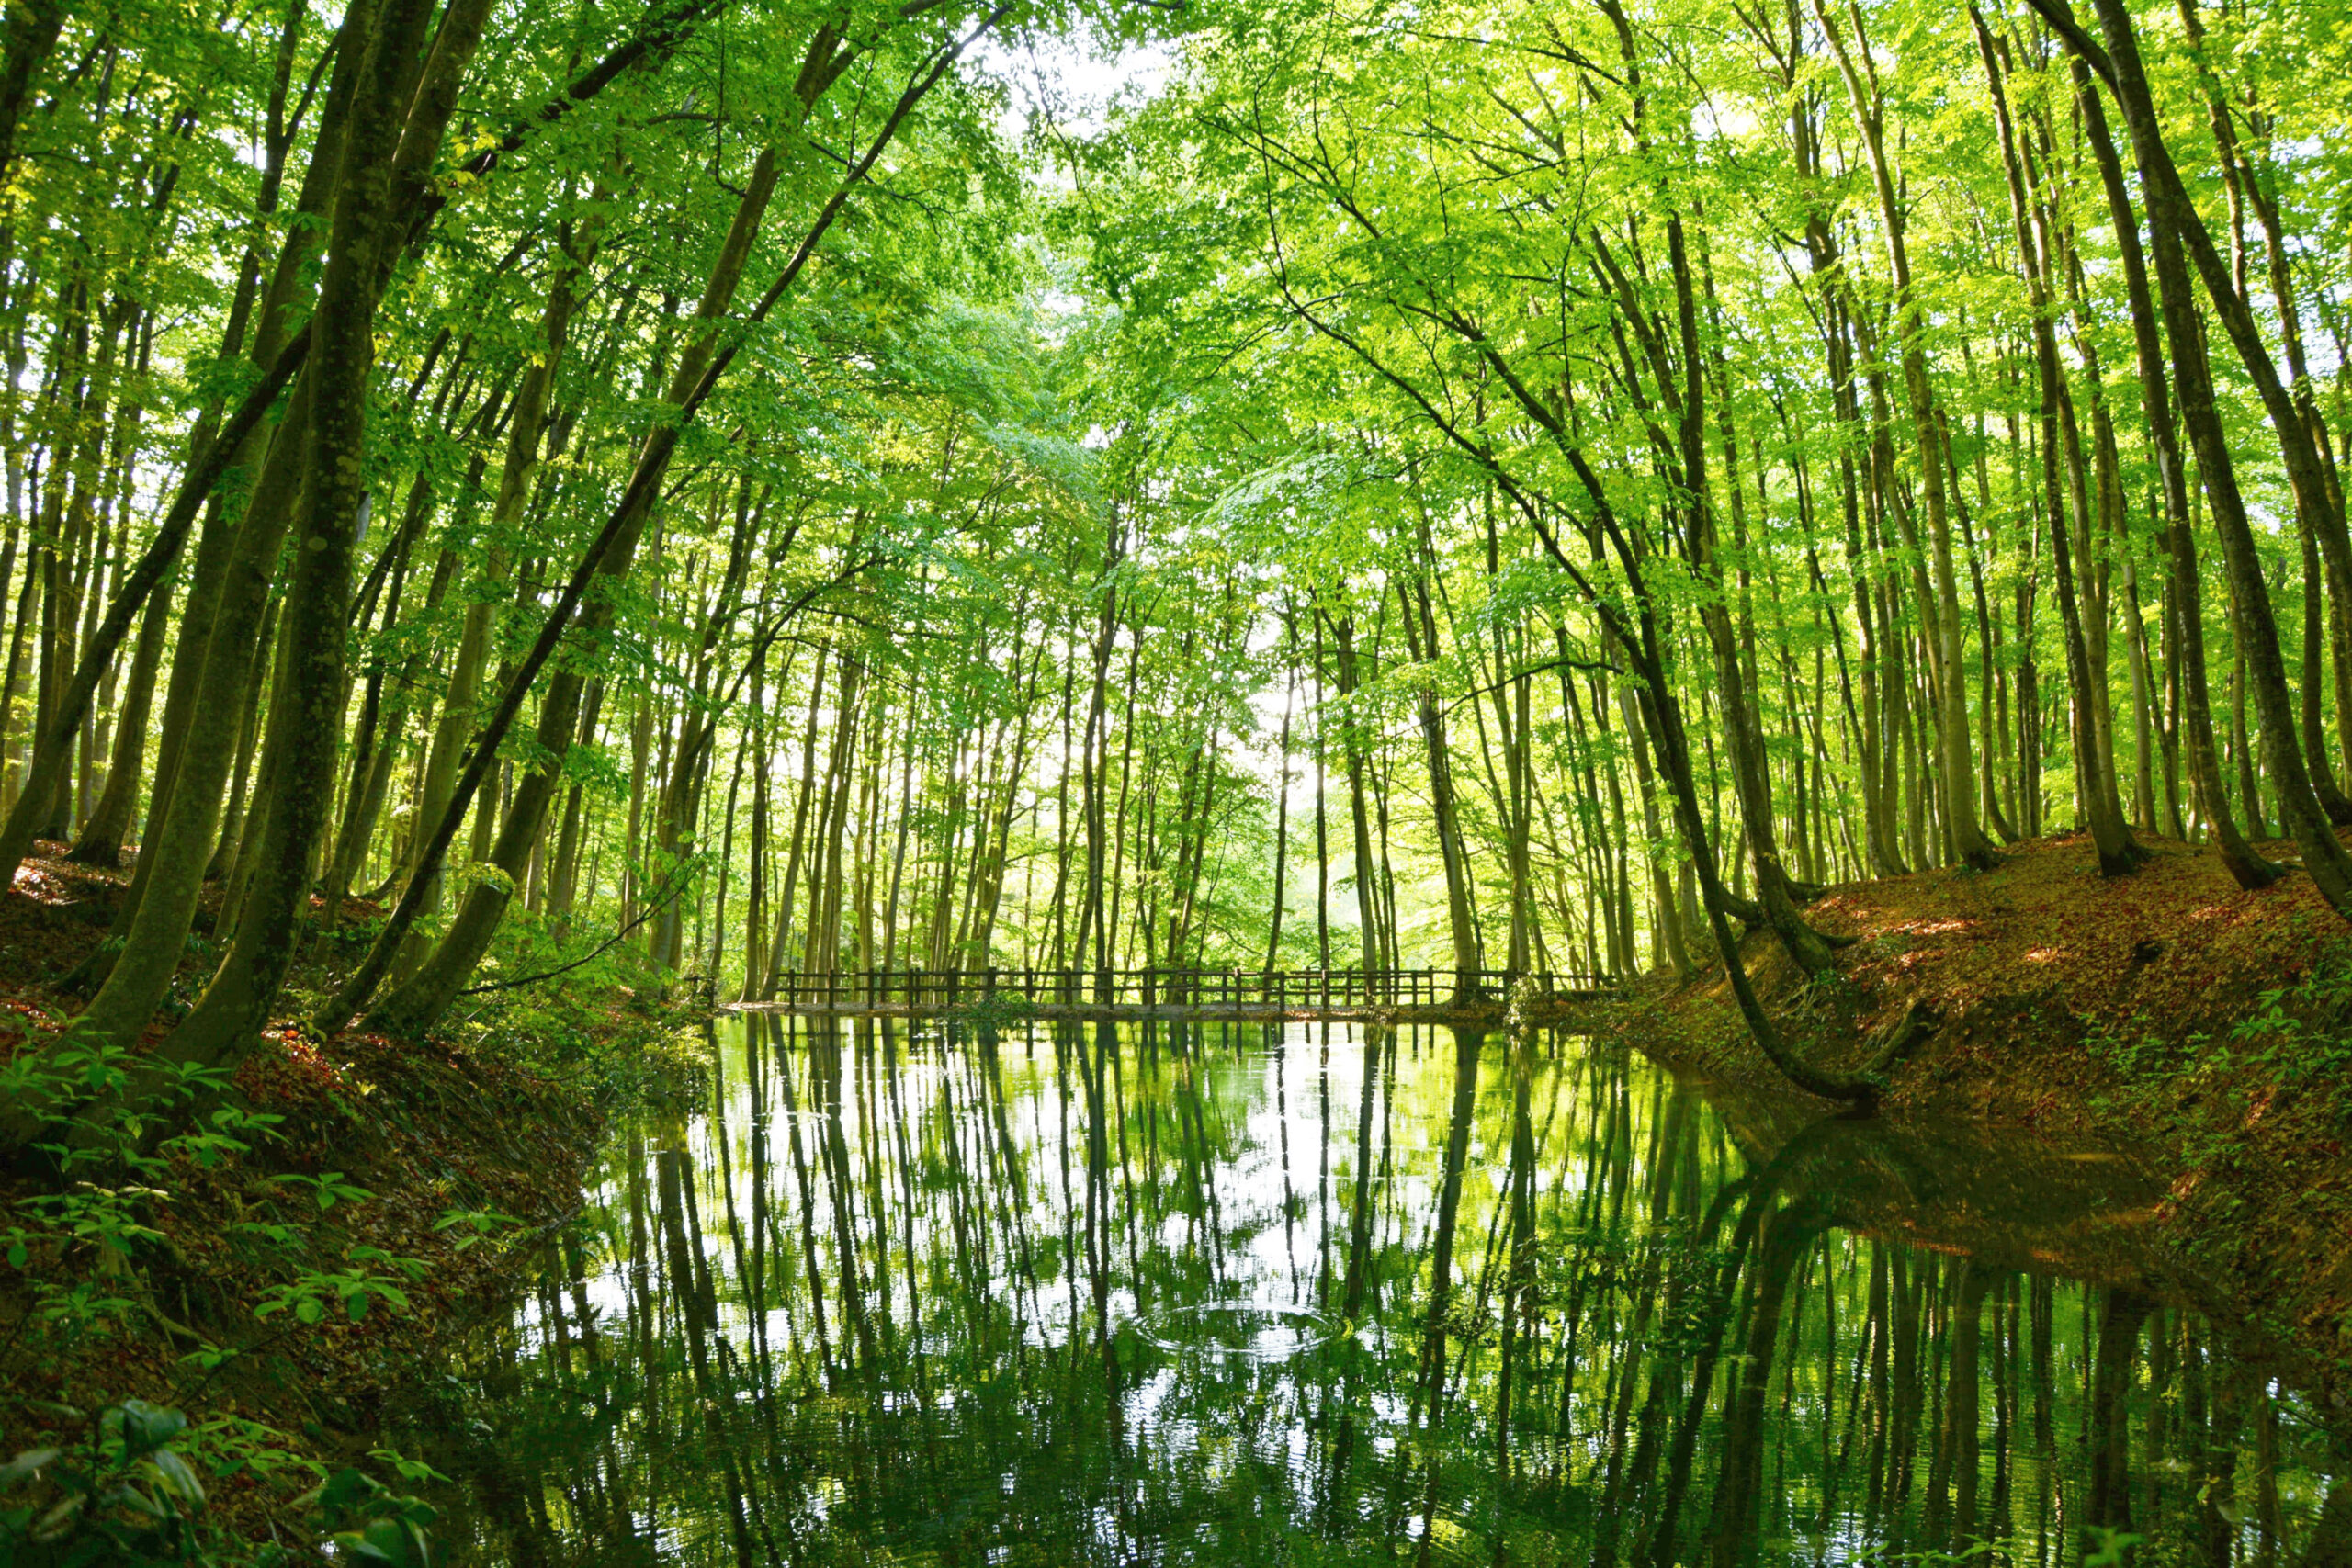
(2210, 1026)
(279, 1294)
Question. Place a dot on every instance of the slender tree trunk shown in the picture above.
(2171, 220)
(307, 727)
(1965, 839)
(31, 33)
(101, 842)
(1460, 923)
(1282, 798)
(1343, 629)
(2119, 853)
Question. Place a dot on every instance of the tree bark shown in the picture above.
(31, 33)
(2119, 853)
(2175, 230)
(2186, 594)
(101, 842)
(306, 727)
(1964, 837)
(429, 991)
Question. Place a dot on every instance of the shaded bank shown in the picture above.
(353, 1208)
(2205, 1025)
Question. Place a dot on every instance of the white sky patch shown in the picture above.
(1727, 119)
(1074, 80)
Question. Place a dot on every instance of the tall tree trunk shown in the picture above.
(1351, 741)
(31, 33)
(2119, 853)
(2175, 232)
(307, 728)
(1420, 636)
(1963, 837)
(101, 842)
(1281, 797)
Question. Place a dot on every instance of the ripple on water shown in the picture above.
(1239, 1330)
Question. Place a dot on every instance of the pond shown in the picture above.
(1303, 1295)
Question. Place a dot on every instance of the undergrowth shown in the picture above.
(121, 1481)
(194, 1326)
(2292, 1048)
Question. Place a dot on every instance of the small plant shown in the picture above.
(76, 1088)
(125, 1495)
(127, 1490)
(327, 1190)
(477, 1225)
(128, 1494)
(81, 1246)
(2301, 1034)
(2132, 1050)
(366, 1521)
(994, 1009)
(2110, 1548)
(355, 1287)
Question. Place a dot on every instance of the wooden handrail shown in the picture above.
(1321, 989)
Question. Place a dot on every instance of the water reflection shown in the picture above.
(1239, 1297)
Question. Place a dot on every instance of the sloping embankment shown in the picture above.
(2210, 1026)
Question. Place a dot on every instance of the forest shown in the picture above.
(1529, 526)
(1465, 503)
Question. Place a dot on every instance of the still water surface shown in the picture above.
(1311, 1296)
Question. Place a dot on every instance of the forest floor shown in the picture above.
(2207, 1027)
(281, 1296)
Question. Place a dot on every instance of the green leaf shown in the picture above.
(356, 1546)
(395, 1540)
(25, 1466)
(146, 1427)
(179, 1476)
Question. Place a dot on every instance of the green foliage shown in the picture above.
(80, 1245)
(81, 1092)
(128, 1489)
(353, 1288)
(366, 1522)
(125, 1495)
(2294, 1038)
(326, 1191)
(477, 1225)
(2301, 1034)
(2110, 1548)
(128, 1494)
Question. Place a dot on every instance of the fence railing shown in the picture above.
(947, 990)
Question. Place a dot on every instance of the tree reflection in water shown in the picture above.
(1248, 1297)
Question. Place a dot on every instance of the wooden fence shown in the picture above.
(1277, 990)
